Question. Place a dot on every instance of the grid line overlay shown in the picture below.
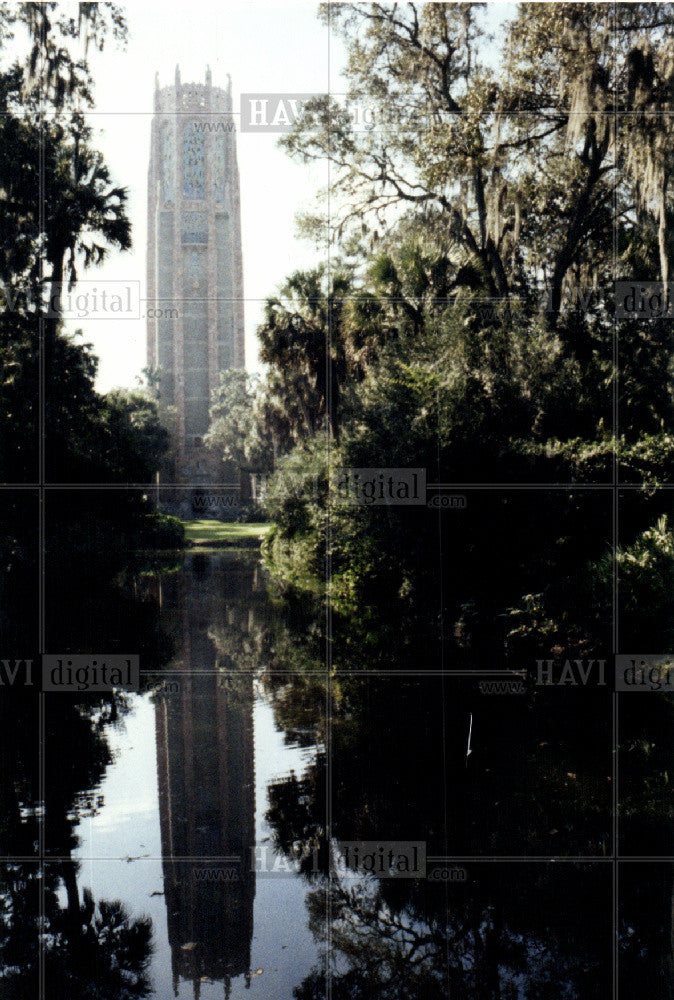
(615, 391)
(42, 984)
(614, 488)
(329, 758)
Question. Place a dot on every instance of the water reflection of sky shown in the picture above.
(120, 855)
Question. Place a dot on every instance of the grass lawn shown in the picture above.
(217, 531)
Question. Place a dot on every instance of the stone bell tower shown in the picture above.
(194, 263)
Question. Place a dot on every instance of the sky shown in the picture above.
(265, 47)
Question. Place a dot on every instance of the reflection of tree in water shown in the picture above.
(509, 932)
(296, 815)
(98, 590)
(298, 702)
(77, 758)
(18, 772)
(537, 780)
(19, 928)
(95, 949)
(512, 932)
(92, 951)
(646, 931)
(97, 600)
(647, 775)
(251, 630)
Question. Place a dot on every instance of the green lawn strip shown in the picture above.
(204, 531)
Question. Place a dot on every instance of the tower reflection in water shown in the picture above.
(206, 780)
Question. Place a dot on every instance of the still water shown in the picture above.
(192, 818)
(177, 828)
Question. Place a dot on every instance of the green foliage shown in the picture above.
(645, 586)
(44, 247)
(237, 431)
(649, 460)
(469, 329)
(136, 438)
(94, 438)
(296, 502)
(161, 531)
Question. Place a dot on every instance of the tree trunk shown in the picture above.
(55, 294)
(69, 875)
(662, 240)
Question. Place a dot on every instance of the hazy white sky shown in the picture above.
(266, 47)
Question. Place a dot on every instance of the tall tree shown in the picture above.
(498, 150)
